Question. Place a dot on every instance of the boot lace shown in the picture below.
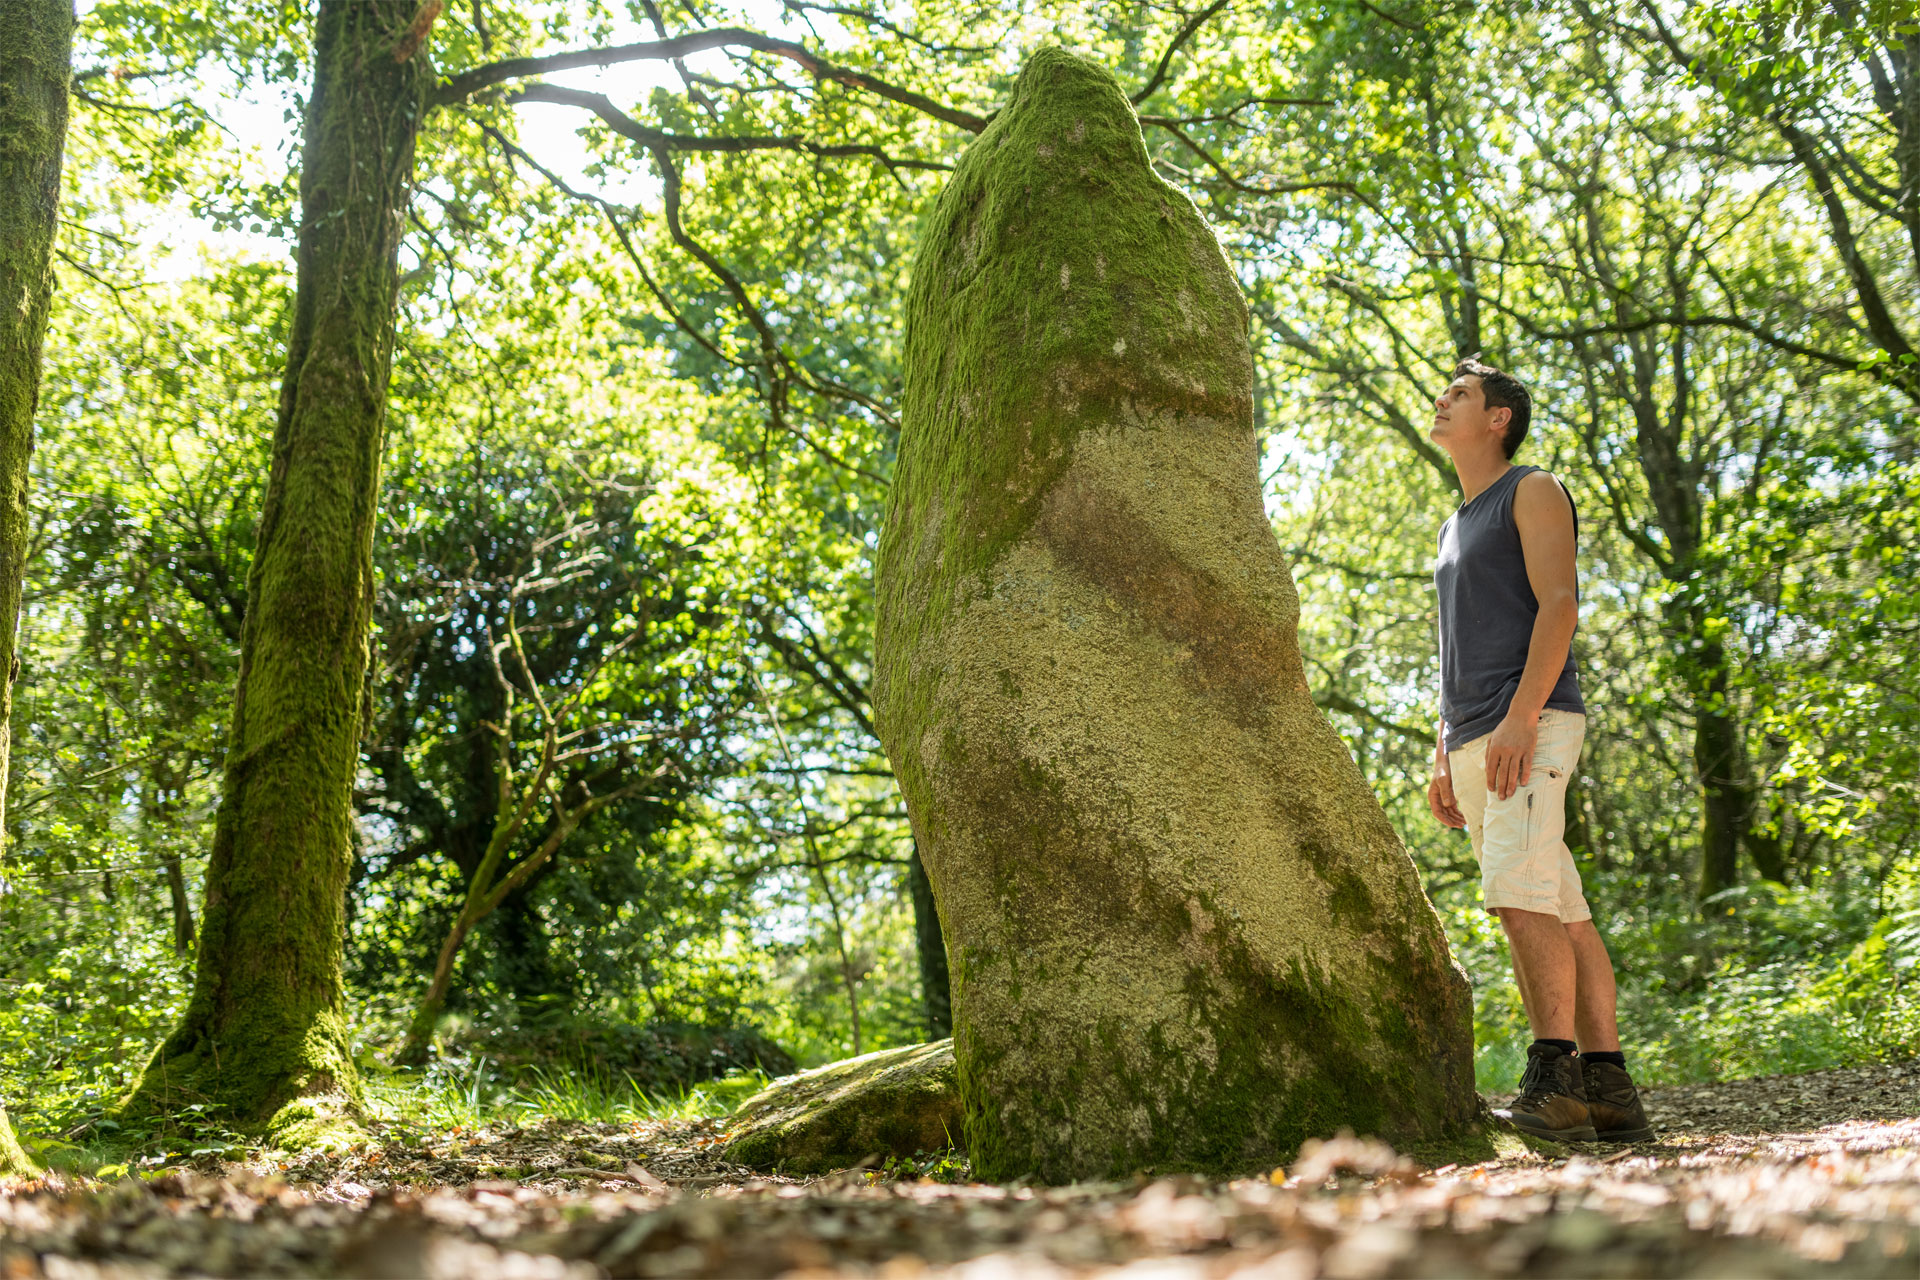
(1538, 1083)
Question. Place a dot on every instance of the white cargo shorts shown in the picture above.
(1521, 841)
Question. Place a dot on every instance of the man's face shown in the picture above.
(1461, 417)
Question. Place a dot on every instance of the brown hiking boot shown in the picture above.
(1614, 1104)
(1553, 1098)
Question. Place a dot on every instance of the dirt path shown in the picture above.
(1792, 1176)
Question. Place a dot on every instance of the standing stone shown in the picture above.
(1182, 933)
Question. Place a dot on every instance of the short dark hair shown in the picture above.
(1502, 391)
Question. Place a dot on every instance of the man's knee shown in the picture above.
(1522, 918)
(1585, 933)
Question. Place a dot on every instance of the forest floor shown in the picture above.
(1806, 1175)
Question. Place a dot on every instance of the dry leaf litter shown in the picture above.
(1815, 1175)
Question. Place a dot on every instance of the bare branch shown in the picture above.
(655, 139)
(480, 26)
(554, 180)
(470, 82)
(877, 20)
(1215, 117)
(1185, 34)
(1172, 126)
(416, 33)
(774, 358)
(1334, 700)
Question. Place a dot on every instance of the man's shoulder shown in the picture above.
(1543, 491)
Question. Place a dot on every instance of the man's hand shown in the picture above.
(1510, 755)
(1440, 799)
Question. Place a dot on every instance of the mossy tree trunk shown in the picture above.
(36, 68)
(1183, 934)
(265, 1025)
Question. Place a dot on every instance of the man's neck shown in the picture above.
(1478, 473)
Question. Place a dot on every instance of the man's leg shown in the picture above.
(1552, 1101)
(1529, 881)
(1546, 966)
(1593, 1019)
(1613, 1102)
(1565, 977)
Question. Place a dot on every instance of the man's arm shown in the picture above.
(1440, 797)
(1544, 516)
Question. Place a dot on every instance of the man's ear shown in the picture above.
(1500, 418)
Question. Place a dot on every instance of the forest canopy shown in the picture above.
(646, 371)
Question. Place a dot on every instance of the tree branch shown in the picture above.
(1334, 700)
(1172, 126)
(1185, 34)
(659, 139)
(467, 83)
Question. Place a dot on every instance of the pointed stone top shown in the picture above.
(1061, 286)
(1065, 104)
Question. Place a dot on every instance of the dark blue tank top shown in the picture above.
(1487, 609)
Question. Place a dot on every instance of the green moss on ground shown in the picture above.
(280, 1063)
(328, 1122)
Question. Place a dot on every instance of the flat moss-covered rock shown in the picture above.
(891, 1103)
(1183, 935)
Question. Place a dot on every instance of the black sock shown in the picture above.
(1564, 1046)
(1614, 1056)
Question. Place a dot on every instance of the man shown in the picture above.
(1511, 726)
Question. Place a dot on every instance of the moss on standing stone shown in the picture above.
(1182, 933)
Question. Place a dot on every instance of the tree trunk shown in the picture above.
(1720, 801)
(413, 1051)
(1183, 933)
(1728, 794)
(36, 66)
(935, 987)
(1579, 833)
(165, 786)
(182, 905)
(484, 896)
(265, 1025)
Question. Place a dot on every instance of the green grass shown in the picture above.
(474, 1094)
(405, 1108)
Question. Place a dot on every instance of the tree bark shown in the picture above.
(36, 67)
(426, 1017)
(1183, 933)
(182, 903)
(165, 785)
(1729, 797)
(936, 992)
(1674, 477)
(266, 1024)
